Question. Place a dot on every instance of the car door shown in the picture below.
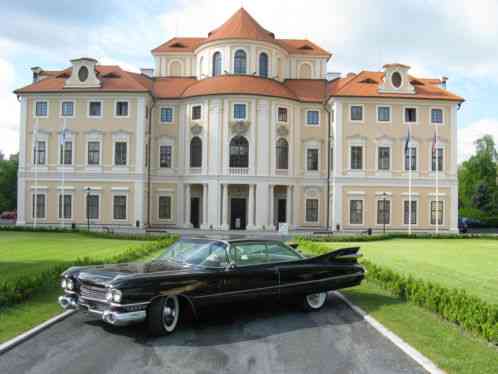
(250, 275)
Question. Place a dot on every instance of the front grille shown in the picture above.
(93, 292)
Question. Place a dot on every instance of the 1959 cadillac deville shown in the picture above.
(193, 273)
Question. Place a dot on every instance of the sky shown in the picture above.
(454, 38)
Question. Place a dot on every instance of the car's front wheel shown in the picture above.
(315, 301)
(163, 315)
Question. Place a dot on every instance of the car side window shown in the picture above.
(212, 255)
(280, 253)
(249, 254)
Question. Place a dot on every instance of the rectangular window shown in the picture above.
(437, 159)
(67, 109)
(196, 112)
(166, 115)
(66, 155)
(239, 111)
(120, 153)
(356, 157)
(356, 113)
(383, 212)
(41, 109)
(92, 206)
(119, 207)
(65, 206)
(93, 153)
(356, 212)
(437, 208)
(38, 206)
(40, 153)
(413, 212)
(312, 159)
(437, 116)
(165, 156)
(411, 159)
(282, 114)
(384, 114)
(384, 158)
(164, 207)
(122, 109)
(311, 210)
(95, 109)
(410, 115)
(313, 117)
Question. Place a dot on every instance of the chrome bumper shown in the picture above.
(110, 316)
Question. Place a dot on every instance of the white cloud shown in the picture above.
(469, 134)
(9, 108)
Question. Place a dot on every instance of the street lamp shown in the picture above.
(384, 211)
(88, 189)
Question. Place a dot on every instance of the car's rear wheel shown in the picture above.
(315, 301)
(163, 315)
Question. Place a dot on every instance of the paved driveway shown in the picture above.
(237, 339)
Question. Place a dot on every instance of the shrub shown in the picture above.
(13, 292)
(376, 237)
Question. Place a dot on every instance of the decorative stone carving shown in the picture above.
(196, 129)
(239, 127)
(312, 191)
(282, 130)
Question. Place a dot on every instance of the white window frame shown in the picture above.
(248, 60)
(172, 210)
(312, 145)
(192, 112)
(93, 192)
(441, 200)
(120, 137)
(414, 198)
(384, 145)
(363, 156)
(61, 102)
(319, 212)
(69, 138)
(417, 114)
(363, 112)
(288, 114)
(159, 156)
(40, 137)
(101, 109)
(120, 192)
(97, 139)
(172, 115)
(116, 108)
(359, 197)
(380, 198)
(34, 108)
(45, 194)
(443, 114)
(306, 117)
(429, 166)
(415, 145)
(233, 111)
(59, 194)
(390, 114)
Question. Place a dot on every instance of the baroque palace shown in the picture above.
(237, 130)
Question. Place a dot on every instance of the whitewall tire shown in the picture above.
(163, 315)
(315, 301)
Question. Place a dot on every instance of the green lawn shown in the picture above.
(470, 264)
(24, 253)
(442, 342)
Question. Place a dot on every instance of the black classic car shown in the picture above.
(193, 273)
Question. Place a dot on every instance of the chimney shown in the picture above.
(36, 73)
(148, 72)
(444, 79)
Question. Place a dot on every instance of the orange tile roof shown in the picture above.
(179, 45)
(357, 86)
(302, 47)
(308, 90)
(171, 88)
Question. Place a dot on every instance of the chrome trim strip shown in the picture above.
(92, 299)
(126, 305)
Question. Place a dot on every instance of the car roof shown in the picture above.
(230, 239)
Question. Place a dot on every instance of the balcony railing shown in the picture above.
(238, 171)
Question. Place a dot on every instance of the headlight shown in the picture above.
(108, 295)
(113, 295)
(63, 283)
(70, 284)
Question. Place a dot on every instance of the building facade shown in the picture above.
(237, 130)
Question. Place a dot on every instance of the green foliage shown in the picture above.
(21, 289)
(306, 240)
(8, 185)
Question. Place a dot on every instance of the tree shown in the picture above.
(8, 185)
(2, 156)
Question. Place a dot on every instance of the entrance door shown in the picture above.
(194, 211)
(282, 210)
(238, 216)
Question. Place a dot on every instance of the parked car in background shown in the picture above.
(193, 273)
(9, 215)
(463, 227)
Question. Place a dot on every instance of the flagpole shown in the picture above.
(63, 159)
(36, 171)
(410, 155)
(436, 151)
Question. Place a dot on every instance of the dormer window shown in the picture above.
(83, 73)
(396, 79)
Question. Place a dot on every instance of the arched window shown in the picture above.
(240, 62)
(201, 66)
(305, 71)
(216, 64)
(196, 152)
(175, 69)
(263, 65)
(282, 154)
(239, 152)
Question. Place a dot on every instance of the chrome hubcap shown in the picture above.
(170, 312)
(316, 300)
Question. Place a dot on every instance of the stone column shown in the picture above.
(224, 224)
(262, 203)
(288, 208)
(188, 221)
(250, 210)
(272, 208)
(205, 225)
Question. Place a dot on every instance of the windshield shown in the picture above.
(208, 253)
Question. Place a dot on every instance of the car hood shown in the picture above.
(104, 274)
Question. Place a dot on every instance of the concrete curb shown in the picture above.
(395, 339)
(9, 344)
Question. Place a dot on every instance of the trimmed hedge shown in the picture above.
(376, 237)
(13, 292)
